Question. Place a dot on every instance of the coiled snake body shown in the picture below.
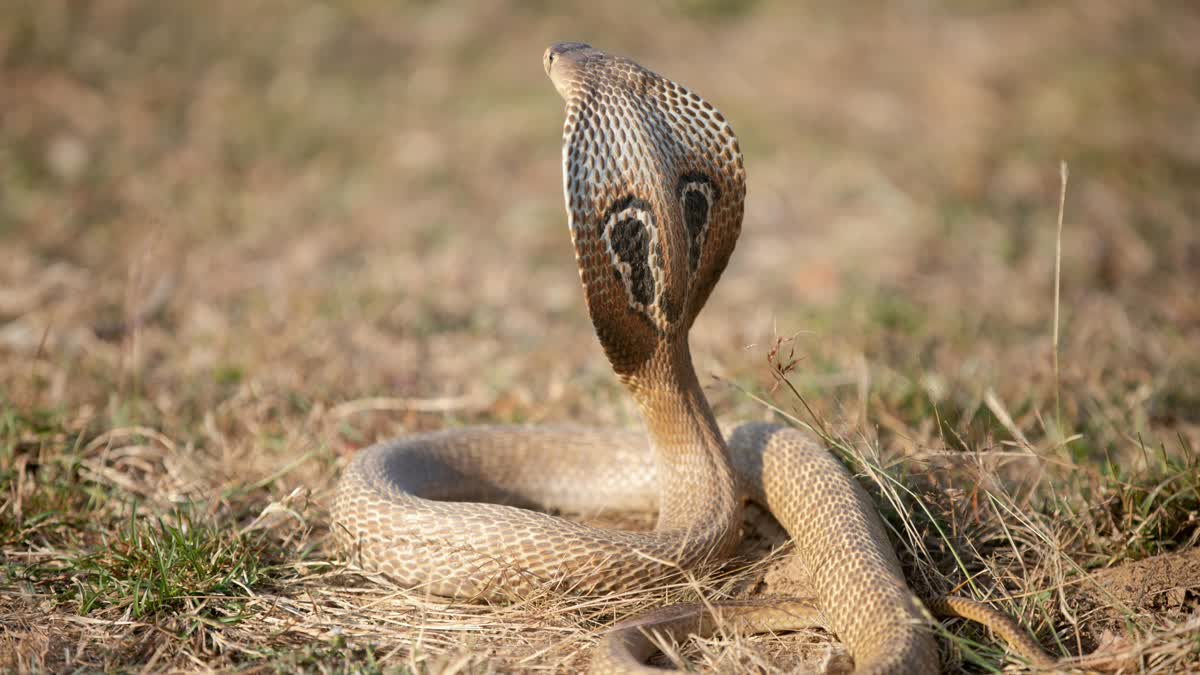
(654, 187)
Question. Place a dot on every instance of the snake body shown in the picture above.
(654, 186)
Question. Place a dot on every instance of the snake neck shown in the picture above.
(697, 485)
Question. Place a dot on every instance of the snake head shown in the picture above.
(562, 71)
(654, 187)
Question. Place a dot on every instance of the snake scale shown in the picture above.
(654, 186)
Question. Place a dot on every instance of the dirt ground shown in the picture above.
(243, 240)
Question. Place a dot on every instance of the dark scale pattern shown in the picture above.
(695, 216)
(631, 243)
(695, 191)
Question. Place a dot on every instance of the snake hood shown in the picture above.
(654, 184)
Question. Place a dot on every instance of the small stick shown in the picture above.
(1063, 173)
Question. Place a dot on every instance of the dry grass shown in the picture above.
(242, 240)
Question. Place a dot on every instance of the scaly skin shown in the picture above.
(654, 187)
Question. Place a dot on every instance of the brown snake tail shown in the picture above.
(654, 187)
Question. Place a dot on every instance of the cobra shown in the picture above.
(655, 187)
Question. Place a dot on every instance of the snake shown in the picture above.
(654, 186)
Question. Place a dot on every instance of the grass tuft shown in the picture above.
(180, 566)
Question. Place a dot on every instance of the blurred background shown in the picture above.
(328, 201)
(341, 199)
(241, 240)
